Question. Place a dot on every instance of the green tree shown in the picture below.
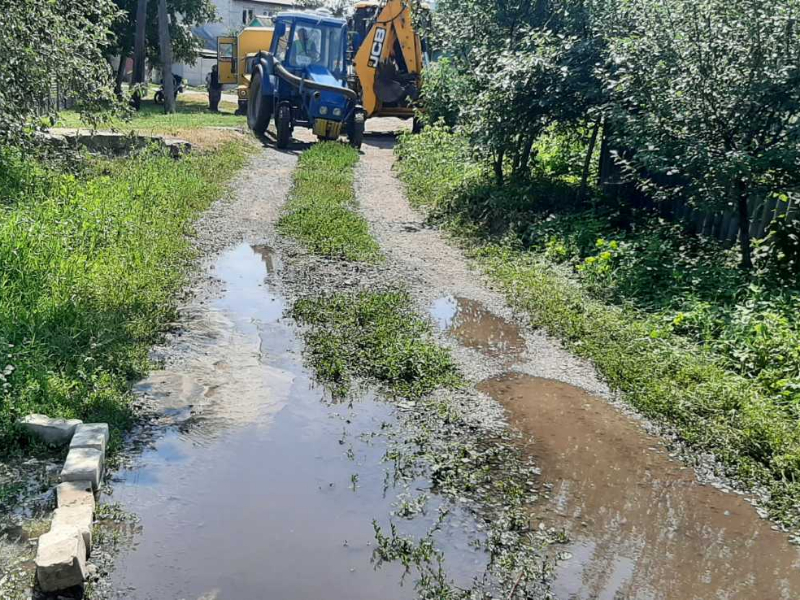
(48, 46)
(520, 65)
(706, 94)
(183, 16)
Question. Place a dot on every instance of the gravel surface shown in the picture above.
(434, 268)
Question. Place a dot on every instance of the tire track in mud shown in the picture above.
(642, 526)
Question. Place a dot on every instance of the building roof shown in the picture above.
(314, 17)
(289, 3)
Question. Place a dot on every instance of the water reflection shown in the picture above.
(642, 528)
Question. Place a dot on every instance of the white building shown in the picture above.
(233, 15)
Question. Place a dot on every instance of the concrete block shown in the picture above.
(55, 432)
(90, 435)
(78, 517)
(83, 464)
(75, 493)
(61, 559)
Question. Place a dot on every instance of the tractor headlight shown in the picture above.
(337, 112)
(323, 110)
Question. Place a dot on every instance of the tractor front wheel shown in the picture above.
(355, 129)
(159, 97)
(283, 125)
(258, 107)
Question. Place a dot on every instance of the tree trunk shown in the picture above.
(498, 167)
(123, 57)
(588, 162)
(744, 226)
(139, 50)
(166, 57)
(526, 154)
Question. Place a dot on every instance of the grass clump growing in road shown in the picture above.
(374, 336)
(89, 267)
(321, 210)
(666, 318)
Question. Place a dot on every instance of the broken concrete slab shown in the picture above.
(83, 464)
(75, 493)
(61, 559)
(55, 432)
(80, 517)
(90, 435)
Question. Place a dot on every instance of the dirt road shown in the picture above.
(249, 483)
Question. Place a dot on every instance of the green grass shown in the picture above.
(89, 269)
(321, 211)
(192, 112)
(665, 318)
(374, 336)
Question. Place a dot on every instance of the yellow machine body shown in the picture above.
(389, 60)
(234, 54)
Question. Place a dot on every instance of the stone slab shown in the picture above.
(83, 464)
(79, 517)
(61, 559)
(75, 493)
(90, 435)
(55, 432)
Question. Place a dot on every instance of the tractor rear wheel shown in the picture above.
(258, 107)
(355, 130)
(283, 125)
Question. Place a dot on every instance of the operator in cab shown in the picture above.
(304, 49)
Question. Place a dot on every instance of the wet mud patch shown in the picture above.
(640, 525)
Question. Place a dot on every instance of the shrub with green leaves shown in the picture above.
(89, 268)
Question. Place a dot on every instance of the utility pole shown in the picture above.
(139, 49)
(166, 57)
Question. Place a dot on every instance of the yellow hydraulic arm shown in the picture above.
(389, 61)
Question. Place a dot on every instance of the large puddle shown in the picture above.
(641, 528)
(260, 487)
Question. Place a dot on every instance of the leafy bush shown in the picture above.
(89, 266)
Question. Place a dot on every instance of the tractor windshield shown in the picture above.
(317, 44)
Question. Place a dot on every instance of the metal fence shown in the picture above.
(722, 224)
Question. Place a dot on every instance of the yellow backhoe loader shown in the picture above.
(389, 57)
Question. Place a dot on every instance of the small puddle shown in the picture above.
(260, 487)
(477, 328)
(641, 528)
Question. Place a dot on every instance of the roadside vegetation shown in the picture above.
(559, 136)
(91, 257)
(321, 210)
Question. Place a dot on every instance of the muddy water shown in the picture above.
(478, 328)
(259, 487)
(640, 525)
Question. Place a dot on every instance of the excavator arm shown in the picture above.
(389, 61)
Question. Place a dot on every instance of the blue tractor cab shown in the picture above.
(302, 80)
